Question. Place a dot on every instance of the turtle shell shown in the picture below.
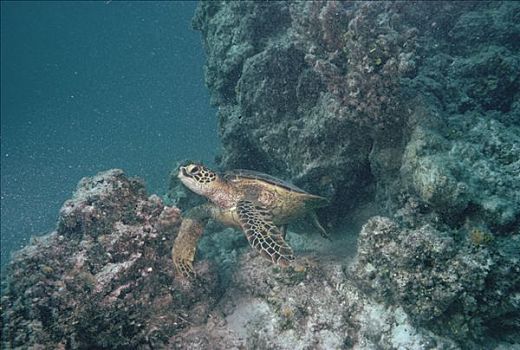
(237, 174)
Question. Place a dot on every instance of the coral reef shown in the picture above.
(445, 282)
(312, 306)
(377, 101)
(462, 155)
(103, 279)
(95, 283)
(335, 105)
(406, 115)
(408, 110)
(471, 173)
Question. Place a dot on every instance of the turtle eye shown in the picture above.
(195, 170)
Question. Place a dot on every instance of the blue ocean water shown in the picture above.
(89, 86)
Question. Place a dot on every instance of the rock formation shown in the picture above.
(406, 115)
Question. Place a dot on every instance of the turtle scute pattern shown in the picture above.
(262, 234)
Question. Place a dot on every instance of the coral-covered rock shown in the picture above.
(84, 286)
(104, 278)
(408, 110)
(300, 105)
(440, 281)
(471, 173)
(372, 101)
(312, 305)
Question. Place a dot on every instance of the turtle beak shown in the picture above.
(182, 172)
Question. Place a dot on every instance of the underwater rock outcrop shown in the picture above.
(373, 102)
(311, 306)
(457, 286)
(404, 112)
(304, 101)
(103, 279)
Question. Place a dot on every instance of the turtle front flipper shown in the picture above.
(185, 245)
(262, 234)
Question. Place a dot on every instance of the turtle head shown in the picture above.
(199, 179)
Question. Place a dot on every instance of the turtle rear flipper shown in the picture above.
(315, 222)
(262, 234)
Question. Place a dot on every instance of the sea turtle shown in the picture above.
(258, 204)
